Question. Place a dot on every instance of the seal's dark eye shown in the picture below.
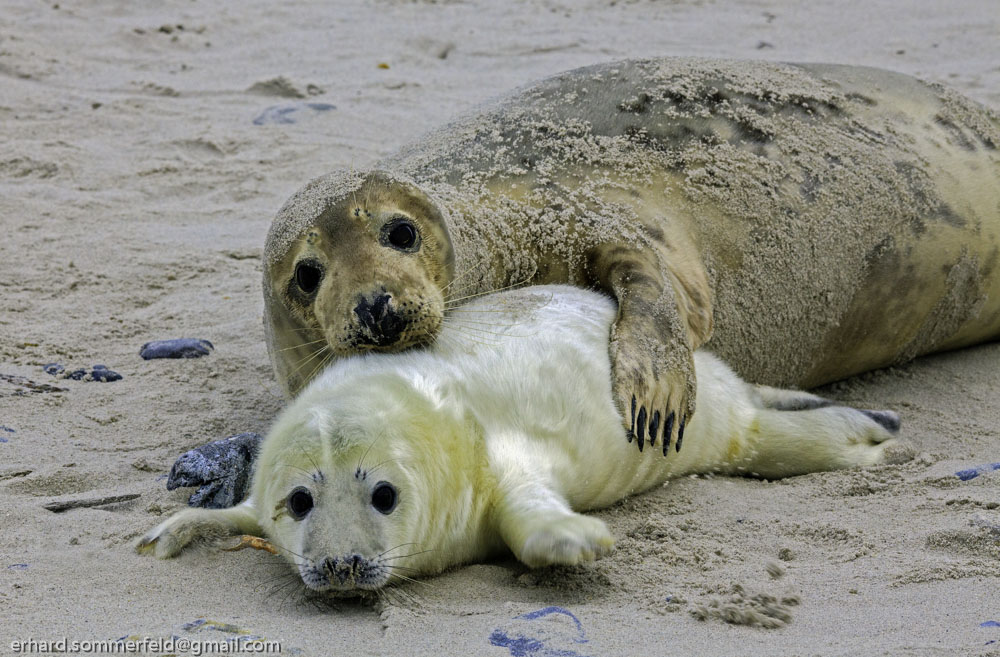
(300, 503)
(400, 234)
(384, 497)
(308, 276)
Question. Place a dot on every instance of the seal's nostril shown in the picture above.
(356, 562)
(380, 306)
(379, 319)
(329, 565)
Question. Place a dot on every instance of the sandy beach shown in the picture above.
(146, 147)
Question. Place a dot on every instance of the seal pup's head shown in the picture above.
(361, 480)
(353, 263)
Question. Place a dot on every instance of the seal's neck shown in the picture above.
(451, 525)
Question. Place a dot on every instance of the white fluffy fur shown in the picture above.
(500, 437)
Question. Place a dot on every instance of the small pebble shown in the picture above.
(291, 113)
(972, 473)
(97, 373)
(178, 348)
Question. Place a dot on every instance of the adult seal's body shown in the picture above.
(405, 464)
(806, 222)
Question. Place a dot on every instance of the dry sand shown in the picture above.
(135, 193)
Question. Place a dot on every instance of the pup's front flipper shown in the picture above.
(566, 540)
(191, 525)
(541, 530)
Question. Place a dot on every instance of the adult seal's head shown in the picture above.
(353, 262)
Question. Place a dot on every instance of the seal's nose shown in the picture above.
(345, 569)
(380, 321)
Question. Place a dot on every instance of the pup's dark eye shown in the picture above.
(384, 497)
(300, 503)
(308, 276)
(400, 234)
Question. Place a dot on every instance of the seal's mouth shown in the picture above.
(344, 574)
(381, 323)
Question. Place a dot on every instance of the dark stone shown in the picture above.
(104, 375)
(221, 469)
(178, 348)
(77, 375)
(97, 373)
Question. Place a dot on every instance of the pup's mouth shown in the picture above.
(344, 575)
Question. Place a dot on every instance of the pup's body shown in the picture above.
(414, 462)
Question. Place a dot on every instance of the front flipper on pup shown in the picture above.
(190, 526)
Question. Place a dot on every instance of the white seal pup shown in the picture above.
(403, 464)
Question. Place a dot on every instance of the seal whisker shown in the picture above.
(288, 587)
(305, 360)
(459, 277)
(380, 464)
(444, 339)
(283, 464)
(463, 320)
(410, 579)
(412, 554)
(485, 292)
(312, 329)
(393, 548)
(303, 344)
(296, 554)
(488, 332)
(323, 362)
(361, 461)
(464, 309)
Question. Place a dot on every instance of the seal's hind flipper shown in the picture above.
(786, 443)
(782, 399)
(888, 419)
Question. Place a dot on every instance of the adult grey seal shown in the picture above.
(804, 221)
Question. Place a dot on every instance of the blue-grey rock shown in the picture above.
(178, 348)
(290, 113)
(221, 469)
(99, 373)
(103, 374)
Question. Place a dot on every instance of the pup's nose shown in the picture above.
(380, 321)
(344, 569)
